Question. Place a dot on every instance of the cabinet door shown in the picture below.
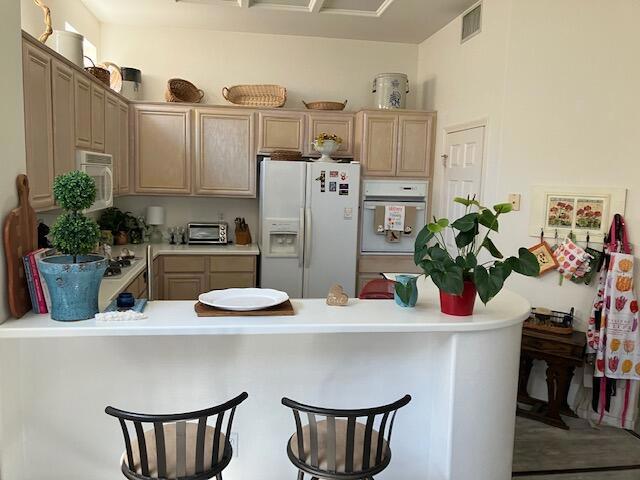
(97, 117)
(218, 281)
(336, 124)
(225, 157)
(83, 111)
(162, 149)
(181, 286)
(124, 167)
(415, 145)
(379, 144)
(38, 125)
(280, 131)
(64, 138)
(112, 135)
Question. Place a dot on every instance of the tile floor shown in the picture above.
(540, 448)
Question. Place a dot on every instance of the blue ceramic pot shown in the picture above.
(73, 287)
(404, 279)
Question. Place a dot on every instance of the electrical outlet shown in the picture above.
(233, 440)
(514, 200)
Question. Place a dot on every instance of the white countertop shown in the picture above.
(112, 286)
(312, 316)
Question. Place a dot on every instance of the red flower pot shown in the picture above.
(459, 305)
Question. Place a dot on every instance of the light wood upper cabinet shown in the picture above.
(83, 111)
(98, 96)
(379, 144)
(225, 162)
(415, 145)
(391, 144)
(280, 131)
(340, 124)
(63, 93)
(124, 166)
(112, 136)
(162, 149)
(38, 125)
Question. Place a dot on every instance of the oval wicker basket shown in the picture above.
(325, 105)
(182, 91)
(100, 73)
(256, 95)
(286, 155)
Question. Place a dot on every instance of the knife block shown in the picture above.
(243, 237)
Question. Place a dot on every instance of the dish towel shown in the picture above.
(394, 218)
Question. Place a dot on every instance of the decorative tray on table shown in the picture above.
(550, 321)
(234, 302)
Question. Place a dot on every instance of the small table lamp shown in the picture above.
(155, 217)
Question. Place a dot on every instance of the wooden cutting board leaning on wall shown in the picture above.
(20, 237)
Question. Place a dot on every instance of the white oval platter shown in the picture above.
(243, 299)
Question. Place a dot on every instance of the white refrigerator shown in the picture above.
(308, 226)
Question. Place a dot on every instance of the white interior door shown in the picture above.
(463, 154)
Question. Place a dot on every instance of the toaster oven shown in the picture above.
(207, 233)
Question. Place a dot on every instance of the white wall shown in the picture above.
(11, 122)
(311, 68)
(13, 162)
(72, 11)
(558, 85)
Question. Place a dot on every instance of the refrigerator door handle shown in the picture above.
(308, 235)
(301, 238)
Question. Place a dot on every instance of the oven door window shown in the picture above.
(376, 242)
(209, 233)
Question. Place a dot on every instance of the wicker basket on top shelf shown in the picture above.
(182, 91)
(325, 105)
(256, 95)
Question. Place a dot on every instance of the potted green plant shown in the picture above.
(74, 278)
(476, 265)
(117, 222)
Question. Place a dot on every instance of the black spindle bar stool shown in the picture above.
(178, 446)
(339, 447)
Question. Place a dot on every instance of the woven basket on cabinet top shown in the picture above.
(256, 95)
(180, 90)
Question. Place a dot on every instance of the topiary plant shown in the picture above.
(73, 233)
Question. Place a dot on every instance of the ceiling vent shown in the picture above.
(471, 23)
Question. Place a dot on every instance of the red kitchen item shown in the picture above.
(378, 289)
(459, 305)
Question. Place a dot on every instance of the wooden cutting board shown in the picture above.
(284, 309)
(20, 237)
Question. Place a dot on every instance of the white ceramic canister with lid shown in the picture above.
(131, 83)
(390, 90)
(69, 45)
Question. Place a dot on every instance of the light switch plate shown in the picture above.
(514, 200)
(348, 213)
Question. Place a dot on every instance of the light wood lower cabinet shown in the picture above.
(225, 162)
(38, 125)
(138, 286)
(162, 149)
(280, 131)
(184, 277)
(63, 98)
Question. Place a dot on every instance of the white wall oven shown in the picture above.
(393, 212)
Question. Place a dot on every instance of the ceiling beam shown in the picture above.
(316, 5)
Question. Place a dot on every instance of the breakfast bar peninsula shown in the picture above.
(461, 372)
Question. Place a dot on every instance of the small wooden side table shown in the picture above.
(562, 353)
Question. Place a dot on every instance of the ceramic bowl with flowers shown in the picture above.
(327, 145)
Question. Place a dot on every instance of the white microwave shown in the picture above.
(98, 166)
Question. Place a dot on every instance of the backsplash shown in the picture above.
(181, 210)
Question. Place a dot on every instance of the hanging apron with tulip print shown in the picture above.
(613, 335)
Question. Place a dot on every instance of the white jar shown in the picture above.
(390, 90)
(69, 45)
